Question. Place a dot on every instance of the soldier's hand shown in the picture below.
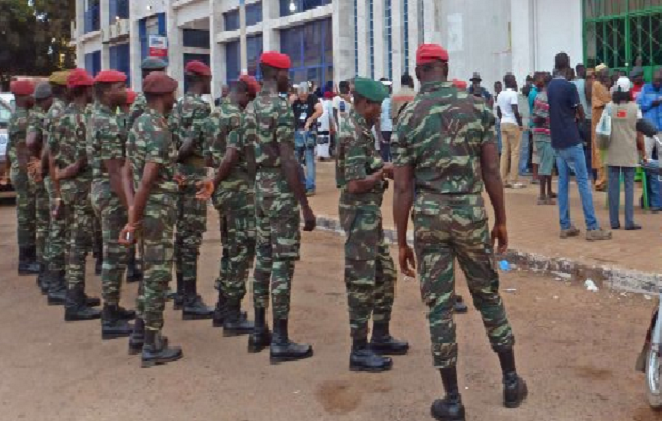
(407, 261)
(56, 209)
(127, 236)
(310, 221)
(205, 189)
(180, 179)
(388, 170)
(500, 237)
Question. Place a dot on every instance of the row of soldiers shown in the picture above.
(445, 154)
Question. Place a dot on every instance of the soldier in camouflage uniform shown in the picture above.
(151, 155)
(18, 162)
(56, 244)
(369, 271)
(445, 149)
(72, 180)
(187, 121)
(106, 156)
(279, 192)
(43, 100)
(234, 198)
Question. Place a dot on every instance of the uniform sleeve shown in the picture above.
(487, 120)
(157, 146)
(249, 125)
(356, 159)
(285, 125)
(235, 135)
(196, 131)
(401, 148)
(209, 133)
(81, 138)
(110, 140)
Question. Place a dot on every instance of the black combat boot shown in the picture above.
(76, 309)
(156, 350)
(383, 343)
(44, 279)
(112, 325)
(460, 307)
(92, 301)
(133, 272)
(220, 310)
(282, 349)
(57, 291)
(194, 307)
(26, 266)
(450, 408)
(260, 338)
(125, 314)
(514, 387)
(235, 323)
(362, 358)
(137, 338)
(178, 296)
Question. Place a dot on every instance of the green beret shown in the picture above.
(43, 91)
(369, 89)
(59, 78)
(151, 63)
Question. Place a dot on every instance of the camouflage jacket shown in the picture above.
(357, 159)
(36, 122)
(269, 124)
(17, 130)
(105, 140)
(150, 140)
(187, 122)
(224, 129)
(137, 109)
(53, 116)
(441, 134)
(68, 145)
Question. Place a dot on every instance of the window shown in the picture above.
(233, 58)
(92, 17)
(231, 20)
(388, 27)
(405, 18)
(253, 16)
(118, 9)
(153, 25)
(356, 37)
(311, 51)
(372, 39)
(120, 60)
(195, 38)
(93, 63)
(300, 6)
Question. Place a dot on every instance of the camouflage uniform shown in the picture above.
(106, 141)
(369, 270)
(68, 147)
(25, 192)
(440, 134)
(58, 226)
(150, 140)
(187, 121)
(269, 123)
(137, 109)
(36, 123)
(235, 201)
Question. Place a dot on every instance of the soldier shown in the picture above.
(369, 271)
(187, 120)
(279, 192)
(71, 181)
(234, 198)
(151, 156)
(43, 96)
(56, 246)
(106, 146)
(139, 105)
(18, 160)
(445, 146)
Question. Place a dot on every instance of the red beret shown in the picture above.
(253, 86)
(198, 68)
(159, 83)
(130, 96)
(428, 53)
(459, 84)
(110, 76)
(328, 95)
(277, 60)
(79, 77)
(21, 87)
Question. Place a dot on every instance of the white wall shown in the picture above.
(558, 27)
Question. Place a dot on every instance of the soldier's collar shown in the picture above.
(360, 120)
(433, 86)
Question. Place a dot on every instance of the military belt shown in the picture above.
(451, 199)
(194, 161)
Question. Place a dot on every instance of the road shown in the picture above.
(576, 350)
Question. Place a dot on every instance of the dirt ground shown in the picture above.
(576, 350)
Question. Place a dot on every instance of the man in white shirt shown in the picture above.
(342, 103)
(511, 132)
(384, 126)
(326, 127)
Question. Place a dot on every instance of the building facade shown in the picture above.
(334, 40)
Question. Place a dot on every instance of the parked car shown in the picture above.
(6, 106)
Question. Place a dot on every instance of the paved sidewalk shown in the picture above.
(534, 230)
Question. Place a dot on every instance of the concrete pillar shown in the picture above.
(175, 55)
(104, 19)
(379, 38)
(432, 22)
(216, 50)
(270, 37)
(397, 34)
(521, 21)
(135, 48)
(414, 28)
(80, 30)
(343, 40)
(364, 35)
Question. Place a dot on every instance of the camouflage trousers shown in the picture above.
(157, 243)
(43, 214)
(25, 209)
(191, 225)
(57, 234)
(278, 243)
(79, 217)
(447, 228)
(113, 217)
(97, 235)
(236, 213)
(370, 274)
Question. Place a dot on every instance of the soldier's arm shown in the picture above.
(127, 182)
(112, 157)
(249, 133)
(358, 181)
(149, 178)
(403, 193)
(34, 141)
(45, 164)
(231, 153)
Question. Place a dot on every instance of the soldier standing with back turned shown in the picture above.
(445, 148)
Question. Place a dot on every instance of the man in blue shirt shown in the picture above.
(650, 101)
(564, 109)
(477, 90)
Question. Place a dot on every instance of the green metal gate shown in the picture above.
(619, 32)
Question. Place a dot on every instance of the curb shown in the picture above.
(604, 276)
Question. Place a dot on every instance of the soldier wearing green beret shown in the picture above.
(369, 271)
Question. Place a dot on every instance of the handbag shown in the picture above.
(603, 129)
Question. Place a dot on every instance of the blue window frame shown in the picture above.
(253, 16)
(93, 62)
(388, 32)
(405, 15)
(310, 47)
(197, 38)
(372, 38)
(231, 20)
(160, 29)
(300, 6)
(120, 60)
(356, 37)
(118, 9)
(92, 17)
(233, 58)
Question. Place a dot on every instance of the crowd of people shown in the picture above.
(99, 168)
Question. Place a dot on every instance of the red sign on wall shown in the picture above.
(158, 46)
